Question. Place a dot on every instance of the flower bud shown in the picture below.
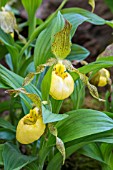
(62, 84)
(30, 128)
(101, 77)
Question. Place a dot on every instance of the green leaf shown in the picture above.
(9, 61)
(78, 95)
(106, 59)
(15, 81)
(46, 83)
(3, 3)
(5, 105)
(6, 125)
(3, 51)
(106, 150)
(110, 4)
(93, 151)
(56, 105)
(92, 18)
(58, 25)
(1, 150)
(97, 65)
(48, 116)
(29, 3)
(83, 122)
(43, 44)
(31, 13)
(78, 53)
(76, 144)
(6, 134)
(32, 166)
(10, 45)
(75, 20)
(16, 160)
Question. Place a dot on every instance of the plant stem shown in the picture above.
(32, 24)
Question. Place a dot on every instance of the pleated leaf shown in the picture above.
(1, 150)
(15, 81)
(49, 117)
(46, 83)
(102, 62)
(81, 123)
(78, 52)
(6, 125)
(13, 159)
(43, 44)
(10, 45)
(78, 95)
(76, 144)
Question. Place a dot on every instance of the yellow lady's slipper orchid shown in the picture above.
(62, 84)
(30, 128)
(101, 78)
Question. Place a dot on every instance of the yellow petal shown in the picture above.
(28, 132)
(101, 77)
(61, 88)
(102, 81)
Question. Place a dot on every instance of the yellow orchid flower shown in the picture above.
(101, 78)
(62, 84)
(30, 128)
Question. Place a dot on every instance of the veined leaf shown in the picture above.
(6, 134)
(76, 144)
(49, 117)
(78, 95)
(16, 160)
(10, 45)
(97, 65)
(92, 18)
(93, 151)
(5, 124)
(58, 25)
(78, 53)
(32, 166)
(31, 13)
(87, 122)
(81, 123)
(15, 81)
(46, 82)
(56, 105)
(1, 150)
(29, 3)
(43, 44)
